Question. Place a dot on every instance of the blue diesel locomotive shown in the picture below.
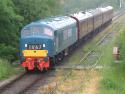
(47, 41)
(41, 41)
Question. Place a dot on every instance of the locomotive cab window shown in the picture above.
(36, 31)
(67, 34)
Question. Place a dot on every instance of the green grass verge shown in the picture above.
(113, 74)
(6, 70)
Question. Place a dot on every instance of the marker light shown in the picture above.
(44, 45)
(25, 45)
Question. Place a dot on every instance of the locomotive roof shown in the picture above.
(54, 23)
(57, 22)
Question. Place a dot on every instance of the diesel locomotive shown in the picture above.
(45, 42)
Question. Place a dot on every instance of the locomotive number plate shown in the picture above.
(34, 47)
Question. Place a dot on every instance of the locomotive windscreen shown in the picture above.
(36, 31)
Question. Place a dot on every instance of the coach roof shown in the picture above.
(104, 9)
(81, 15)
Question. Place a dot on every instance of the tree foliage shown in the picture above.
(10, 22)
(14, 14)
(36, 9)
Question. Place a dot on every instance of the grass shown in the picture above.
(113, 74)
(6, 70)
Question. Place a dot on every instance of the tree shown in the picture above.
(36, 9)
(10, 22)
(14, 14)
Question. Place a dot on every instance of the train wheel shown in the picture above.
(66, 52)
(26, 70)
(44, 70)
(57, 60)
(52, 63)
(60, 57)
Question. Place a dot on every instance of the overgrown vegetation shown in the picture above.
(6, 69)
(113, 81)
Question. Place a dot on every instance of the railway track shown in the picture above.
(27, 82)
(22, 83)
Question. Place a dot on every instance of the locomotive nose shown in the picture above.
(42, 43)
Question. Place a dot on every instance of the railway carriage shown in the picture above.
(97, 16)
(107, 14)
(82, 21)
(90, 22)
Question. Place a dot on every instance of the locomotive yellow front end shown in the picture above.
(36, 59)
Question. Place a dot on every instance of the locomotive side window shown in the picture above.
(57, 43)
(67, 34)
(65, 37)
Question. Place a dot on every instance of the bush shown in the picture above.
(120, 42)
(5, 69)
(113, 81)
(8, 52)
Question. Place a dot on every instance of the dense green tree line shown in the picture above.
(14, 14)
(10, 22)
(36, 9)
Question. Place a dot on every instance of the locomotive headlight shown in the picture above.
(44, 45)
(26, 45)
